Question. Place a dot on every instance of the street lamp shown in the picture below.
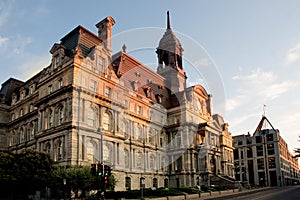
(202, 153)
(65, 183)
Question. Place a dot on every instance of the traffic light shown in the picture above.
(107, 170)
(100, 169)
(106, 179)
(93, 169)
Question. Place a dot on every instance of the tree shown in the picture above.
(297, 152)
(78, 178)
(28, 171)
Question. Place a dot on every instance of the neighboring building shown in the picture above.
(264, 159)
(90, 106)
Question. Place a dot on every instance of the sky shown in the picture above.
(245, 53)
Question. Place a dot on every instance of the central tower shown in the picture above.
(169, 53)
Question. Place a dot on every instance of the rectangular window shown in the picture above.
(271, 162)
(270, 137)
(60, 83)
(139, 110)
(108, 92)
(259, 150)
(21, 112)
(56, 61)
(50, 89)
(258, 139)
(93, 85)
(101, 64)
(249, 152)
(260, 163)
(271, 149)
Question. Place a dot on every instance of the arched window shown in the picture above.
(22, 135)
(151, 162)
(166, 182)
(126, 129)
(138, 132)
(15, 137)
(107, 154)
(163, 163)
(50, 118)
(128, 183)
(58, 150)
(61, 115)
(139, 160)
(126, 158)
(48, 148)
(12, 116)
(32, 130)
(91, 117)
(155, 184)
(91, 151)
(107, 122)
(142, 182)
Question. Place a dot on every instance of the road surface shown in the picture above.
(280, 193)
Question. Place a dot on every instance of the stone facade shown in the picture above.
(89, 106)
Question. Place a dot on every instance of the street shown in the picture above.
(280, 193)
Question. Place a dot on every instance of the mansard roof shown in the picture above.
(82, 38)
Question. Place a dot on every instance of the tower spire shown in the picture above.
(168, 20)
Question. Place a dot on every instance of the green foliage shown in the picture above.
(28, 171)
(189, 190)
(77, 178)
(135, 194)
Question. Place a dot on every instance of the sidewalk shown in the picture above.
(231, 193)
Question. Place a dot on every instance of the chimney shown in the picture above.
(105, 31)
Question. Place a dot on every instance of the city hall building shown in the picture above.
(90, 106)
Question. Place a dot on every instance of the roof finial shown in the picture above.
(168, 20)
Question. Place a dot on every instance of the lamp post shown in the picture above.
(202, 153)
(65, 183)
(102, 191)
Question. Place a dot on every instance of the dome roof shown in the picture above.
(169, 41)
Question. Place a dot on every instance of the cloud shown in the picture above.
(20, 44)
(257, 88)
(293, 55)
(29, 68)
(202, 62)
(3, 41)
(5, 9)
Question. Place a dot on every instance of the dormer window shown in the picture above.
(159, 98)
(31, 89)
(56, 60)
(134, 85)
(14, 99)
(101, 64)
(137, 74)
(22, 95)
